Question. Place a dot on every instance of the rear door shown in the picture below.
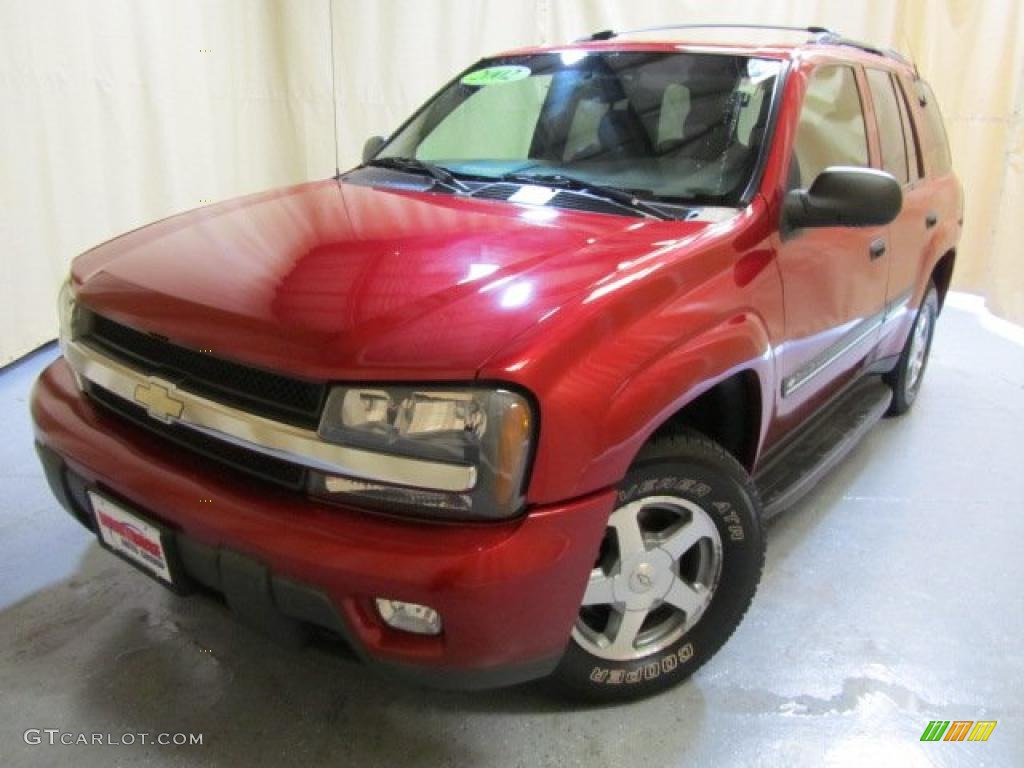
(834, 278)
(909, 232)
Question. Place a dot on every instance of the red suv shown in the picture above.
(516, 395)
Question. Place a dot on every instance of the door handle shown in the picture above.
(877, 249)
(931, 219)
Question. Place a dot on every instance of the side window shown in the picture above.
(890, 127)
(586, 120)
(831, 129)
(675, 106)
(909, 132)
(752, 112)
(936, 145)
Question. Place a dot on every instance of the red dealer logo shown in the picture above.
(130, 533)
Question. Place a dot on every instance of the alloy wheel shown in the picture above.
(919, 347)
(656, 574)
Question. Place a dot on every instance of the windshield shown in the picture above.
(679, 127)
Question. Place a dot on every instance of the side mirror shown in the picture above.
(844, 197)
(372, 147)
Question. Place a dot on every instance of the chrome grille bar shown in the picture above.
(170, 404)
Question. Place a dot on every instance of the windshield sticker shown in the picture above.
(497, 75)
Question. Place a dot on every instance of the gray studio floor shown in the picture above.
(891, 597)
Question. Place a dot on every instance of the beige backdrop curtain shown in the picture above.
(116, 113)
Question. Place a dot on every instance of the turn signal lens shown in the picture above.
(513, 444)
(66, 313)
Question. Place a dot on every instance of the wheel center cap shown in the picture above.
(642, 578)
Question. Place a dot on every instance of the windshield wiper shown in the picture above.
(623, 197)
(438, 173)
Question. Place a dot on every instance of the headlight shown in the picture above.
(66, 313)
(490, 430)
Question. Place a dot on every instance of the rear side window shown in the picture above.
(831, 129)
(890, 126)
(936, 145)
(909, 132)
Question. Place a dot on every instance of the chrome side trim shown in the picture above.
(900, 302)
(818, 364)
(895, 308)
(273, 438)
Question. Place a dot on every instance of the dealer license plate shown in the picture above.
(138, 541)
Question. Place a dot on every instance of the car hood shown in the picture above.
(336, 281)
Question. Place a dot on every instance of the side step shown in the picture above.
(823, 443)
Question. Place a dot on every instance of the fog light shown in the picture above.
(409, 617)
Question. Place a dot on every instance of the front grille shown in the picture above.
(293, 401)
(265, 467)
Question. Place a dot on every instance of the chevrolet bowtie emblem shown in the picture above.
(159, 402)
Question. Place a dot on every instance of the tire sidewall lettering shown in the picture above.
(695, 490)
(649, 670)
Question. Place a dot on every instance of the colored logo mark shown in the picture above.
(958, 730)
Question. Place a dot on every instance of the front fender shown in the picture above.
(589, 439)
(612, 365)
(654, 394)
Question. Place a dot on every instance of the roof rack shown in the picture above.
(608, 34)
(833, 38)
(820, 36)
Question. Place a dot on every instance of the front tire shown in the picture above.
(677, 570)
(905, 379)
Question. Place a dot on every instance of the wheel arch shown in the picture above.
(942, 274)
(685, 387)
(729, 413)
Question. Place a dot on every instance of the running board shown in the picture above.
(825, 442)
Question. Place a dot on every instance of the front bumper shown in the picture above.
(508, 593)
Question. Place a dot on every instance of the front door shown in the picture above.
(834, 278)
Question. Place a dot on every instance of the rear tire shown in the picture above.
(678, 568)
(905, 379)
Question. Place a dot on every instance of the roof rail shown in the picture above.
(820, 35)
(608, 34)
(833, 38)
